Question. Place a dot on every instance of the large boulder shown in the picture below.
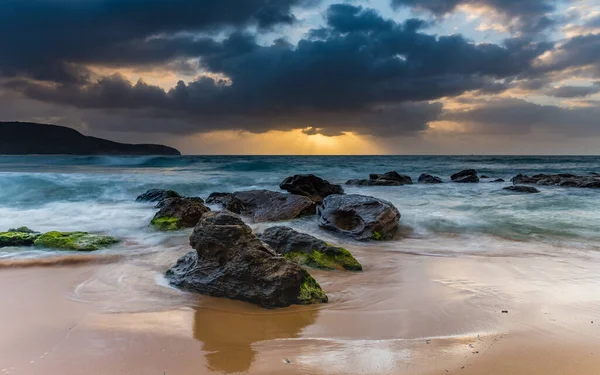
(178, 213)
(307, 250)
(466, 176)
(386, 179)
(561, 179)
(75, 241)
(157, 195)
(264, 205)
(359, 216)
(522, 189)
(230, 261)
(310, 186)
(429, 179)
(21, 236)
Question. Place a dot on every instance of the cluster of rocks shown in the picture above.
(175, 211)
(74, 241)
(387, 179)
(561, 179)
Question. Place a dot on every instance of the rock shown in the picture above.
(561, 179)
(387, 179)
(78, 241)
(22, 230)
(522, 189)
(466, 176)
(178, 213)
(306, 250)
(429, 179)
(157, 195)
(484, 176)
(230, 261)
(264, 205)
(498, 180)
(310, 186)
(359, 216)
(18, 237)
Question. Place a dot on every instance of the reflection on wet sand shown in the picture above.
(228, 336)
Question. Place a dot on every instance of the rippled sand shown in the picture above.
(405, 314)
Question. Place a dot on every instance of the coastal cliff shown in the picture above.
(23, 138)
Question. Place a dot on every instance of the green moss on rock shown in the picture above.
(17, 238)
(310, 291)
(335, 259)
(377, 236)
(166, 223)
(77, 241)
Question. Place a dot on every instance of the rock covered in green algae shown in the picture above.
(18, 237)
(179, 213)
(306, 250)
(77, 241)
(230, 261)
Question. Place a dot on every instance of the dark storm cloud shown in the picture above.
(578, 51)
(574, 91)
(516, 116)
(532, 15)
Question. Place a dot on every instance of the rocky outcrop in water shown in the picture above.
(157, 195)
(179, 213)
(498, 180)
(264, 205)
(230, 261)
(561, 179)
(310, 186)
(386, 179)
(75, 241)
(429, 179)
(522, 189)
(306, 250)
(21, 236)
(359, 216)
(466, 176)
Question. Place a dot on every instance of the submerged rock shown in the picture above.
(157, 195)
(310, 186)
(178, 213)
(307, 250)
(466, 176)
(561, 179)
(18, 237)
(498, 180)
(359, 216)
(429, 179)
(386, 179)
(78, 241)
(264, 205)
(522, 189)
(230, 261)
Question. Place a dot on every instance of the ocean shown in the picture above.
(97, 194)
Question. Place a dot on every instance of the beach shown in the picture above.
(476, 280)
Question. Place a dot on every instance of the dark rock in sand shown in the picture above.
(522, 189)
(561, 179)
(387, 179)
(466, 176)
(429, 179)
(157, 195)
(310, 186)
(264, 205)
(230, 261)
(178, 213)
(359, 216)
(498, 180)
(307, 250)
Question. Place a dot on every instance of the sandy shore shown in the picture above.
(405, 314)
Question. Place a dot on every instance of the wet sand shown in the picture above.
(405, 314)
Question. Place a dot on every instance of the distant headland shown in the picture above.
(26, 138)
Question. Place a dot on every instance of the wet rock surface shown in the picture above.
(561, 179)
(264, 205)
(230, 261)
(359, 216)
(465, 176)
(386, 179)
(307, 250)
(157, 195)
(522, 189)
(429, 179)
(179, 213)
(310, 186)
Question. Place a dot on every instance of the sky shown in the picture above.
(309, 76)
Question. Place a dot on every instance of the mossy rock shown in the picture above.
(311, 292)
(17, 238)
(377, 236)
(76, 241)
(22, 230)
(335, 258)
(166, 223)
